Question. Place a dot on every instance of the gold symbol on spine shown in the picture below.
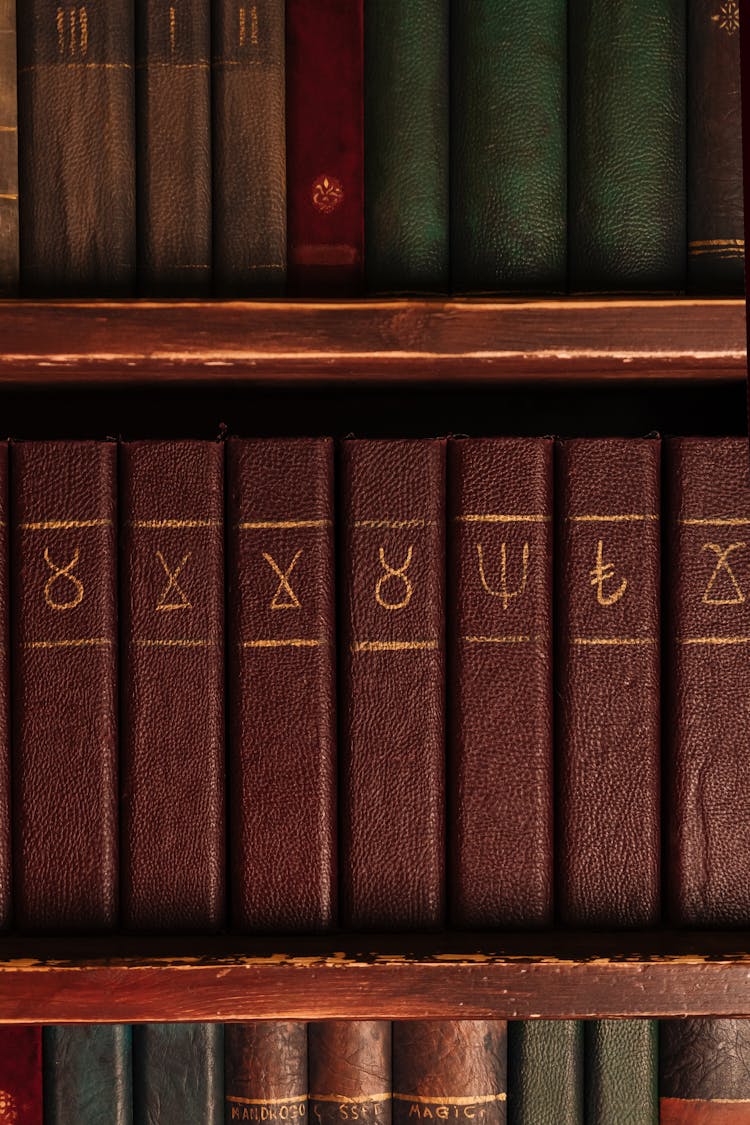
(327, 193)
(253, 25)
(504, 592)
(399, 574)
(172, 27)
(605, 572)
(8, 1108)
(728, 17)
(722, 564)
(73, 32)
(62, 574)
(284, 586)
(173, 588)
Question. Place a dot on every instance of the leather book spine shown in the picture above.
(87, 1075)
(392, 804)
(350, 1071)
(704, 1072)
(5, 703)
(508, 146)
(545, 1072)
(265, 1071)
(21, 1099)
(449, 1069)
(500, 643)
(715, 229)
(281, 685)
(173, 121)
(178, 1073)
(64, 681)
(77, 147)
(249, 129)
(708, 721)
(325, 146)
(608, 715)
(9, 265)
(626, 148)
(172, 590)
(407, 78)
(621, 1072)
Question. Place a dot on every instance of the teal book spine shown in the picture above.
(406, 146)
(508, 146)
(545, 1072)
(621, 1072)
(178, 1074)
(87, 1075)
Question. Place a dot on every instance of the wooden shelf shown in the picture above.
(143, 341)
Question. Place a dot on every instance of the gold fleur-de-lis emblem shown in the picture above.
(327, 193)
(8, 1108)
(728, 17)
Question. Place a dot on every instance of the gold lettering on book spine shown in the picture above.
(8, 1108)
(172, 27)
(504, 593)
(243, 25)
(723, 567)
(605, 572)
(72, 31)
(173, 596)
(395, 574)
(284, 588)
(62, 573)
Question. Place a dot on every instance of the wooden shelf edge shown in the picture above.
(433, 341)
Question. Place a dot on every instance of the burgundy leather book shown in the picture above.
(704, 1072)
(708, 726)
(607, 566)
(21, 1074)
(281, 683)
(500, 630)
(172, 590)
(448, 1070)
(325, 145)
(350, 1071)
(393, 694)
(265, 1071)
(64, 676)
(5, 769)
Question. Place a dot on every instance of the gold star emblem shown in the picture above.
(728, 17)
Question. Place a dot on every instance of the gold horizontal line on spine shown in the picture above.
(8, 129)
(625, 517)
(614, 640)
(463, 1099)
(501, 518)
(264, 525)
(496, 640)
(395, 523)
(75, 66)
(719, 252)
(161, 525)
(79, 642)
(392, 646)
(740, 242)
(264, 1101)
(153, 65)
(714, 640)
(174, 642)
(13, 196)
(63, 525)
(287, 642)
(718, 521)
(346, 1100)
(709, 1101)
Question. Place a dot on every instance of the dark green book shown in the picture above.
(508, 146)
(545, 1072)
(406, 146)
(87, 1075)
(621, 1072)
(627, 145)
(178, 1073)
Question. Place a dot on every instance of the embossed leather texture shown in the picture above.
(172, 717)
(250, 241)
(508, 146)
(621, 1072)
(88, 1075)
(407, 78)
(392, 803)
(265, 1069)
(350, 1071)
(77, 147)
(500, 636)
(5, 703)
(704, 1072)
(282, 745)
(9, 264)
(708, 726)
(626, 150)
(178, 1074)
(608, 701)
(325, 145)
(21, 1074)
(545, 1072)
(173, 103)
(64, 805)
(447, 1063)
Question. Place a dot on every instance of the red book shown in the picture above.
(393, 693)
(608, 744)
(172, 587)
(64, 685)
(5, 774)
(21, 1074)
(500, 629)
(325, 145)
(282, 716)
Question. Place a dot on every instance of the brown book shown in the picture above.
(500, 630)
(265, 1071)
(392, 693)
(350, 1071)
(447, 1070)
(8, 150)
(173, 106)
(172, 716)
(704, 1072)
(708, 726)
(608, 573)
(281, 685)
(64, 676)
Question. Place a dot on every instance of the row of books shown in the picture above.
(388, 665)
(543, 1072)
(422, 146)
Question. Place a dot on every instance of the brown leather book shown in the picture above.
(608, 718)
(173, 106)
(392, 693)
(449, 1070)
(8, 150)
(77, 147)
(350, 1071)
(172, 590)
(265, 1071)
(708, 727)
(281, 685)
(500, 630)
(64, 675)
(704, 1072)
